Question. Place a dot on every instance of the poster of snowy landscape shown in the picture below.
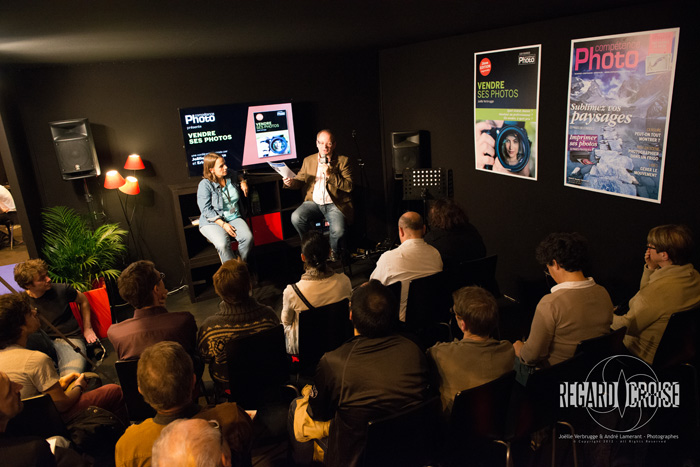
(620, 91)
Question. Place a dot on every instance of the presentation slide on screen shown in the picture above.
(244, 134)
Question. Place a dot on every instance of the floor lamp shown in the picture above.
(128, 186)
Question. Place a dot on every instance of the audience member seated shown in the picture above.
(8, 212)
(319, 286)
(187, 443)
(669, 284)
(141, 285)
(166, 380)
(28, 451)
(413, 259)
(476, 359)
(53, 302)
(239, 315)
(375, 374)
(452, 235)
(35, 370)
(577, 309)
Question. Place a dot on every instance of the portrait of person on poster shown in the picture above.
(620, 91)
(506, 98)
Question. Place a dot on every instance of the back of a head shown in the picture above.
(413, 222)
(375, 309)
(315, 247)
(446, 214)
(570, 250)
(478, 309)
(26, 272)
(165, 374)
(675, 240)
(190, 443)
(14, 309)
(232, 281)
(136, 283)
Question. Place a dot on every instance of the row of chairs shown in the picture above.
(500, 411)
(503, 412)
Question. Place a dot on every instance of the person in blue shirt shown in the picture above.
(220, 200)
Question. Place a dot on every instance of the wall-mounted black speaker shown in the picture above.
(75, 149)
(410, 150)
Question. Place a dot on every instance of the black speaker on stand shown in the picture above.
(75, 149)
(77, 158)
(410, 150)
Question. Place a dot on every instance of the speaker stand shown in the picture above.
(94, 215)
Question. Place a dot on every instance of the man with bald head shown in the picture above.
(326, 181)
(413, 259)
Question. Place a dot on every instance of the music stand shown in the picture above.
(425, 184)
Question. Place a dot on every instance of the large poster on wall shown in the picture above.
(620, 91)
(506, 98)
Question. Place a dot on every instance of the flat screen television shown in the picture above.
(246, 135)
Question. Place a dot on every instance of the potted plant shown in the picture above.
(75, 253)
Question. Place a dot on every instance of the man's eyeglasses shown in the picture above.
(651, 247)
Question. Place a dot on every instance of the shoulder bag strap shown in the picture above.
(301, 295)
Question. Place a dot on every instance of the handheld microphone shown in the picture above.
(324, 160)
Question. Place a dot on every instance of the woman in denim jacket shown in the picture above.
(220, 201)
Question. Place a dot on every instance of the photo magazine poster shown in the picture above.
(620, 90)
(506, 99)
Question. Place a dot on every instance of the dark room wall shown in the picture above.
(133, 108)
(430, 86)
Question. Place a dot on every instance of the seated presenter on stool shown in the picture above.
(220, 200)
(326, 179)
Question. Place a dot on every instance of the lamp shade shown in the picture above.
(113, 179)
(131, 187)
(134, 162)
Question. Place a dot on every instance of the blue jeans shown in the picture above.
(69, 361)
(306, 215)
(222, 242)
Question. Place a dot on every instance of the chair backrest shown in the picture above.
(679, 341)
(427, 302)
(481, 412)
(39, 417)
(481, 272)
(406, 438)
(258, 366)
(321, 330)
(138, 409)
(596, 349)
(396, 289)
(542, 393)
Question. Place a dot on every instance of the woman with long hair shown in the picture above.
(452, 234)
(220, 200)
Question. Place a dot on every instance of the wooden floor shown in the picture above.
(18, 253)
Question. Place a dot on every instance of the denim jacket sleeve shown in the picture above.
(209, 201)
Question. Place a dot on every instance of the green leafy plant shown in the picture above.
(75, 253)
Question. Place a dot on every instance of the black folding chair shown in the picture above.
(407, 438)
(321, 330)
(39, 417)
(138, 409)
